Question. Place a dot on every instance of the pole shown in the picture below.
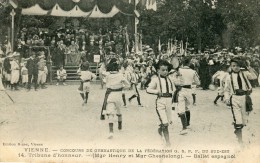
(136, 20)
(12, 37)
(49, 65)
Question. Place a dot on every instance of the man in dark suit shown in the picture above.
(32, 66)
(204, 71)
(7, 70)
(59, 55)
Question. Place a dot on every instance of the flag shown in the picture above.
(159, 46)
(137, 43)
(181, 47)
(151, 5)
(127, 50)
(127, 37)
(8, 48)
(154, 5)
(147, 4)
(14, 3)
(127, 41)
(186, 47)
(140, 44)
(169, 47)
(174, 46)
(136, 2)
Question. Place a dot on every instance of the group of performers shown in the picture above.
(172, 82)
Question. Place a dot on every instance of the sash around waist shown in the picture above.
(114, 90)
(184, 86)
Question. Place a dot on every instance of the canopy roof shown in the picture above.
(77, 8)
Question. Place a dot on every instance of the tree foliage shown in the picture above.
(231, 23)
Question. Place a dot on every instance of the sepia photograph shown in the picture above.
(123, 81)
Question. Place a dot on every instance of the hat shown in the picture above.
(237, 60)
(16, 54)
(238, 49)
(24, 29)
(10, 55)
(41, 56)
(149, 49)
(231, 54)
(26, 59)
(41, 52)
(179, 54)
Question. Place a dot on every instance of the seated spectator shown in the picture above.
(61, 75)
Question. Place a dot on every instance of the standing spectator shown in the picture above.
(32, 66)
(1, 74)
(24, 72)
(41, 72)
(204, 71)
(1, 51)
(7, 69)
(73, 53)
(45, 73)
(143, 77)
(60, 55)
(15, 70)
(255, 64)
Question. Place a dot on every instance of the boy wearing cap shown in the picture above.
(115, 82)
(86, 76)
(61, 75)
(237, 92)
(184, 78)
(220, 77)
(162, 86)
(134, 78)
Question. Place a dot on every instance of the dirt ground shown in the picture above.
(54, 118)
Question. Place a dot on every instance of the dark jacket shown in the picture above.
(7, 65)
(32, 66)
